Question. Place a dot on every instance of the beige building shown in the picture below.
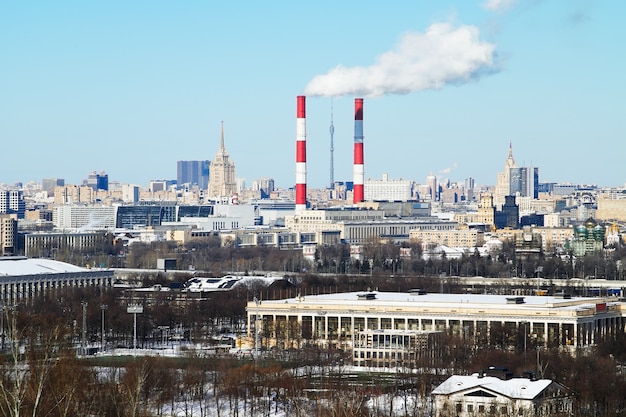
(338, 319)
(467, 238)
(222, 182)
(8, 234)
(485, 214)
(503, 184)
(73, 194)
(611, 209)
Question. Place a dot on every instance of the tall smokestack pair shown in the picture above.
(358, 172)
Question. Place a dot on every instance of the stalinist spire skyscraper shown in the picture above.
(221, 173)
(503, 185)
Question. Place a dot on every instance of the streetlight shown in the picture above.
(134, 309)
(525, 323)
(103, 307)
(256, 328)
(84, 338)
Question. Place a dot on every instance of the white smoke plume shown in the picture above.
(421, 61)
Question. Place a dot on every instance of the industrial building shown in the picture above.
(338, 319)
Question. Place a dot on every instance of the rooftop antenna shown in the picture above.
(332, 148)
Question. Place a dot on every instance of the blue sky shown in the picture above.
(131, 87)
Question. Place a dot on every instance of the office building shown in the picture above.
(193, 173)
(49, 184)
(524, 181)
(12, 202)
(97, 181)
(8, 234)
(387, 189)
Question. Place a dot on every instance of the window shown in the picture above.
(470, 408)
(459, 407)
(481, 408)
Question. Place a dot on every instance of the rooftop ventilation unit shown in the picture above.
(515, 300)
(366, 296)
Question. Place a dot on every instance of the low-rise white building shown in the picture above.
(483, 395)
(337, 319)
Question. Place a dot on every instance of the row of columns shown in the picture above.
(570, 333)
(15, 291)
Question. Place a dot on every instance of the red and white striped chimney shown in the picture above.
(301, 155)
(358, 172)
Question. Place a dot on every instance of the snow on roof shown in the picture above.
(411, 299)
(17, 266)
(514, 388)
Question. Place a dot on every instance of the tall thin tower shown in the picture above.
(358, 172)
(332, 147)
(301, 154)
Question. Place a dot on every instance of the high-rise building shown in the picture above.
(97, 181)
(193, 173)
(433, 187)
(49, 184)
(265, 185)
(8, 234)
(222, 182)
(503, 184)
(524, 181)
(12, 202)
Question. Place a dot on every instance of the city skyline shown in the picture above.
(130, 89)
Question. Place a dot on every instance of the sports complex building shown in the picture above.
(341, 319)
(22, 278)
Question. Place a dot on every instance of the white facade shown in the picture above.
(71, 217)
(477, 395)
(549, 321)
(388, 190)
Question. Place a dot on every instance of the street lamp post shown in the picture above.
(256, 328)
(134, 309)
(525, 323)
(103, 307)
(84, 336)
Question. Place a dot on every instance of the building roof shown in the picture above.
(392, 301)
(514, 388)
(18, 265)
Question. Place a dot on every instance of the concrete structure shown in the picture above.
(22, 279)
(222, 182)
(458, 238)
(8, 234)
(358, 170)
(46, 244)
(388, 190)
(301, 154)
(482, 394)
(611, 208)
(73, 194)
(12, 202)
(82, 217)
(357, 225)
(396, 348)
(337, 319)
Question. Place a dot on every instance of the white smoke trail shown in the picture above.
(421, 61)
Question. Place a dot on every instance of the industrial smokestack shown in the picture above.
(301, 155)
(358, 172)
